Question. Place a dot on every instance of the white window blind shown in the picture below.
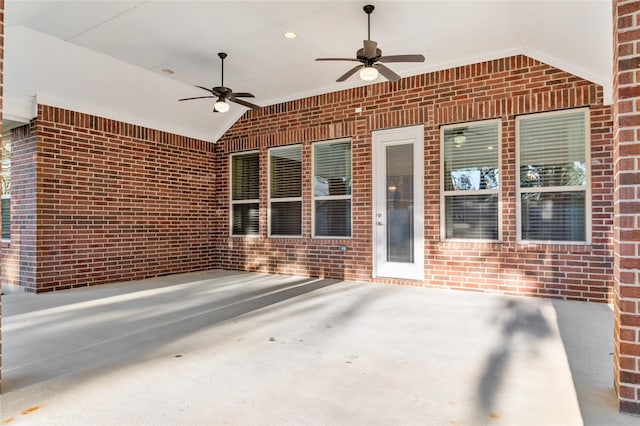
(471, 181)
(285, 191)
(553, 152)
(245, 194)
(332, 189)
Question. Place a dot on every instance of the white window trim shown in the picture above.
(315, 198)
(586, 189)
(498, 190)
(232, 202)
(281, 200)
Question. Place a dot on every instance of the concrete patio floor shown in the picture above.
(221, 347)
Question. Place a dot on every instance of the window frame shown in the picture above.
(7, 197)
(232, 202)
(330, 197)
(557, 189)
(452, 193)
(285, 199)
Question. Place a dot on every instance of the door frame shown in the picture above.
(396, 136)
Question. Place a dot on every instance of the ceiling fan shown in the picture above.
(460, 135)
(224, 94)
(371, 58)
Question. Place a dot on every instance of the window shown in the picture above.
(6, 186)
(245, 190)
(553, 201)
(332, 189)
(470, 199)
(285, 191)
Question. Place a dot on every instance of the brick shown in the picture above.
(85, 205)
(118, 178)
(630, 378)
(487, 90)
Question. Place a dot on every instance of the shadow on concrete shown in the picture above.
(119, 330)
(516, 318)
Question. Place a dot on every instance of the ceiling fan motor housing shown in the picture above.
(368, 61)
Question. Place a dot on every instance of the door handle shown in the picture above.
(380, 223)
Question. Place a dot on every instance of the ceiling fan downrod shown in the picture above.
(222, 55)
(368, 9)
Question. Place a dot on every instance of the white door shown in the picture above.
(398, 203)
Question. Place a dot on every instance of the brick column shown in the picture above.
(626, 23)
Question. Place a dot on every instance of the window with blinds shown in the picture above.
(6, 218)
(285, 191)
(553, 201)
(6, 186)
(332, 189)
(245, 194)
(470, 196)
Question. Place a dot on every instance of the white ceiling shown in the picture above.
(106, 57)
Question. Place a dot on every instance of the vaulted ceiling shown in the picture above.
(110, 58)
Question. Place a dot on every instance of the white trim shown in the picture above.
(20, 109)
(315, 198)
(498, 190)
(277, 200)
(586, 189)
(232, 201)
(390, 137)
(332, 197)
(552, 189)
(474, 192)
(285, 199)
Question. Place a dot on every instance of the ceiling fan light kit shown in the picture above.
(371, 59)
(221, 106)
(224, 94)
(459, 139)
(368, 73)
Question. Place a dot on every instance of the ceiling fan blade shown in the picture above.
(205, 88)
(349, 73)
(387, 73)
(402, 58)
(338, 59)
(244, 103)
(241, 95)
(370, 47)
(197, 97)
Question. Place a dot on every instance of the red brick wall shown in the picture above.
(495, 89)
(626, 203)
(117, 202)
(19, 256)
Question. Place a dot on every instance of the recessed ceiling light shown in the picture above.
(168, 71)
(490, 147)
(290, 35)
